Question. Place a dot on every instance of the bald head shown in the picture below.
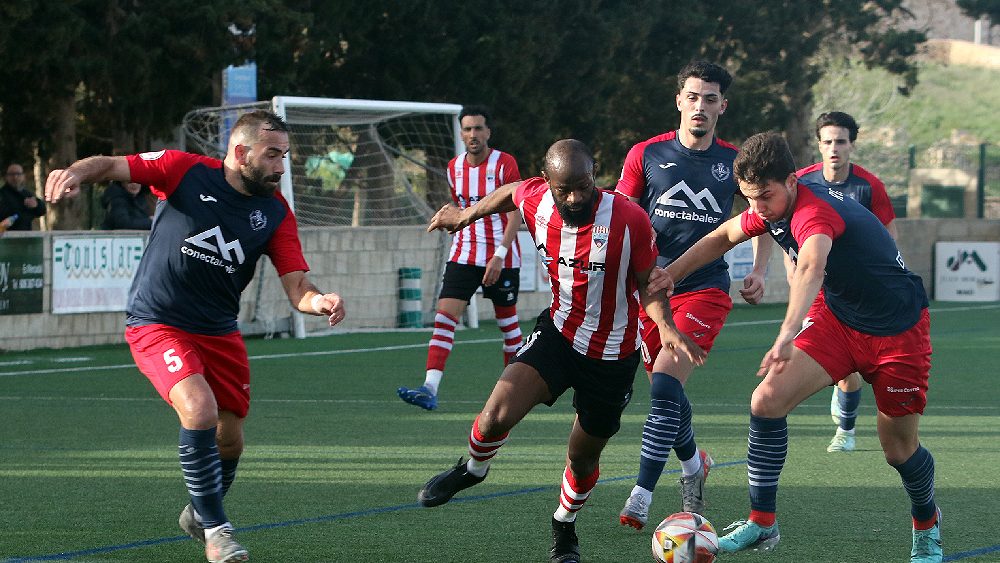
(568, 158)
(569, 171)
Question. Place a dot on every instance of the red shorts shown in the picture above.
(698, 314)
(166, 355)
(897, 366)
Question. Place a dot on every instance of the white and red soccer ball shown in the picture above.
(685, 537)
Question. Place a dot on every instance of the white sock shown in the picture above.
(692, 466)
(563, 515)
(477, 468)
(433, 379)
(848, 432)
(209, 532)
(646, 494)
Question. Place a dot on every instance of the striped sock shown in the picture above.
(482, 449)
(199, 457)
(849, 402)
(660, 429)
(684, 445)
(228, 473)
(918, 480)
(439, 348)
(766, 451)
(508, 325)
(574, 493)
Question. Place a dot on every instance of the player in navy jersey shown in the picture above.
(873, 320)
(836, 133)
(683, 179)
(484, 254)
(599, 248)
(212, 223)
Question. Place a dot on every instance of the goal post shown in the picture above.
(355, 164)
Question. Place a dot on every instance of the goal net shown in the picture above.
(365, 168)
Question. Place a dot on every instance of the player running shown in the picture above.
(874, 320)
(599, 249)
(213, 222)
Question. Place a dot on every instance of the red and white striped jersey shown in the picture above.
(592, 269)
(474, 245)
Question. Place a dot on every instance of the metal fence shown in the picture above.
(956, 180)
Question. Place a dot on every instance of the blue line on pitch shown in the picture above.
(64, 556)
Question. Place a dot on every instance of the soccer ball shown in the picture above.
(685, 537)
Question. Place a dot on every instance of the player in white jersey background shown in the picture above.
(484, 254)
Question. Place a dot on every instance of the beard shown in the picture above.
(258, 184)
(698, 132)
(579, 216)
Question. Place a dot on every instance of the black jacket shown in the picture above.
(12, 201)
(124, 211)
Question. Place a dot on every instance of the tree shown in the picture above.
(976, 9)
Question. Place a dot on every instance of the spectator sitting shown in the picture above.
(126, 207)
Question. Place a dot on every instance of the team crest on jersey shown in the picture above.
(720, 171)
(490, 177)
(151, 155)
(600, 235)
(541, 221)
(257, 220)
(458, 173)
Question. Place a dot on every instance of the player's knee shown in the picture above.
(493, 423)
(766, 402)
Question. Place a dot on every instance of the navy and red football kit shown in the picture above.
(201, 254)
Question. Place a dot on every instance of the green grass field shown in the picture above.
(89, 470)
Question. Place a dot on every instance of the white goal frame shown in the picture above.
(210, 141)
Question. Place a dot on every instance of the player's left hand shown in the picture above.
(659, 280)
(331, 305)
(447, 218)
(674, 341)
(753, 288)
(777, 357)
(493, 267)
(61, 183)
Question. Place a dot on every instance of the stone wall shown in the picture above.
(362, 264)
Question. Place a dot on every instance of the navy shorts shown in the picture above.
(462, 280)
(602, 388)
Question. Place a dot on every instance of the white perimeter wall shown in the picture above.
(362, 263)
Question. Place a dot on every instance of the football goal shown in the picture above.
(359, 165)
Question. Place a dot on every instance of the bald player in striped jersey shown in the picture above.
(836, 133)
(484, 254)
(599, 249)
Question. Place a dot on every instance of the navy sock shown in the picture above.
(660, 429)
(849, 402)
(228, 473)
(684, 444)
(918, 480)
(767, 448)
(199, 456)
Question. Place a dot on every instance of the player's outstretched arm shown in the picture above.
(710, 247)
(304, 296)
(452, 219)
(65, 182)
(657, 306)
